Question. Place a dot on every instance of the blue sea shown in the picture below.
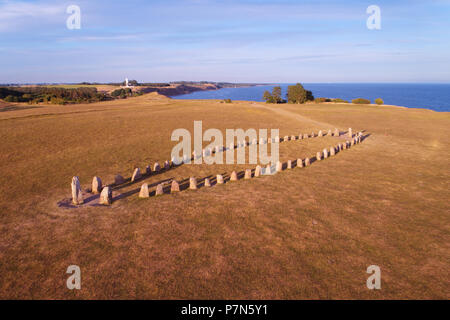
(429, 96)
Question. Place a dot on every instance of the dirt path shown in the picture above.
(293, 115)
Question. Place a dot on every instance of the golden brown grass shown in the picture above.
(305, 233)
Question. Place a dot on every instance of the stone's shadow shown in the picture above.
(134, 191)
(145, 176)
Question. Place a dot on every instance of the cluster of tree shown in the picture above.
(296, 94)
(51, 95)
(123, 93)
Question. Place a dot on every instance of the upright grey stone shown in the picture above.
(289, 164)
(219, 179)
(193, 183)
(207, 182)
(248, 174)
(299, 163)
(325, 153)
(77, 197)
(336, 132)
(332, 151)
(136, 175)
(159, 190)
(143, 193)
(233, 176)
(257, 171)
(156, 167)
(319, 156)
(96, 185)
(175, 186)
(307, 162)
(106, 196)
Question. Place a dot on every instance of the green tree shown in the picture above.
(276, 95)
(268, 97)
(298, 94)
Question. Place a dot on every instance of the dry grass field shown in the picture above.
(306, 233)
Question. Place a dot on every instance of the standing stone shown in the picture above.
(156, 167)
(299, 163)
(279, 167)
(319, 156)
(289, 164)
(219, 179)
(305, 136)
(325, 153)
(352, 142)
(313, 134)
(166, 165)
(320, 134)
(350, 134)
(136, 175)
(332, 151)
(286, 138)
(207, 183)
(77, 197)
(329, 133)
(268, 169)
(300, 136)
(96, 185)
(144, 191)
(148, 170)
(106, 196)
(248, 174)
(359, 139)
(257, 171)
(193, 183)
(293, 138)
(175, 186)
(336, 132)
(159, 190)
(307, 162)
(233, 176)
(118, 179)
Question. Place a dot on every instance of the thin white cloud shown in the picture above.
(16, 14)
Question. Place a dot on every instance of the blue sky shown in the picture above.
(236, 41)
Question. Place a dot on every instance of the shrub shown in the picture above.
(321, 100)
(379, 101)
(227, 100)
(360, 101)
(338, 100)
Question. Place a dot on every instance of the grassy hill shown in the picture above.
(304, 233)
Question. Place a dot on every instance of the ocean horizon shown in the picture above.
(433, 96)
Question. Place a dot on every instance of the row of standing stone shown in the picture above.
(258, 171)
(106, 192)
